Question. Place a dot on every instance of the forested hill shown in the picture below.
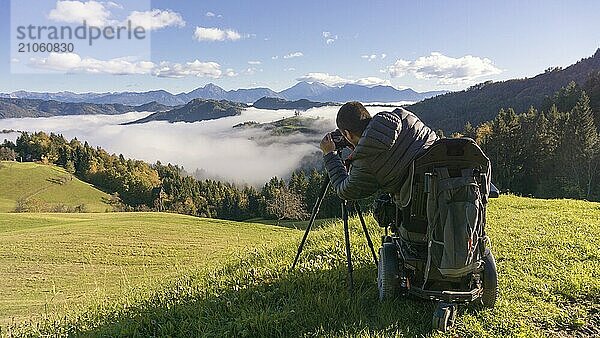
(274, 103)
(196, 110)
(17, 108)
(482, 102)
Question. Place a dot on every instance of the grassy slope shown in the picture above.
(548, 256)
(50, 262)
(31, 180)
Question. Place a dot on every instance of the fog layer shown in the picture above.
(210, 145)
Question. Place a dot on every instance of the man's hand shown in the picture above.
(327, 145)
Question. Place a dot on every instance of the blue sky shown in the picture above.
(425, 45)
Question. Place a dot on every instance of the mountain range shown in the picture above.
(314, 91)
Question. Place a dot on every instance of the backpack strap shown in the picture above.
(455, 182)
(433, 190)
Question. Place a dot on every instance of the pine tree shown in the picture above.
(588, 136)
(70, 167)
(298, 183)
(592, 89)
(469, 131)
(504, 148)
(530, 154)
(565, 98)
(579, 148)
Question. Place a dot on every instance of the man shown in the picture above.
(385, 146)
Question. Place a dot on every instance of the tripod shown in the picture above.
(323, 190)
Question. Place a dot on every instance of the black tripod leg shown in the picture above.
(347, 237)
(364, 226)
(315, 211)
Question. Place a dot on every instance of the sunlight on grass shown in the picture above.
(52, 262)
(547, 253)
(38, 181)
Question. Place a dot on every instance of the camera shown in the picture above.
(340, 141)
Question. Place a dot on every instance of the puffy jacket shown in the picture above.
(382, 157)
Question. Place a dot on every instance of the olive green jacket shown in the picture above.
(382, 157)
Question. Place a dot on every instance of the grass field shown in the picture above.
(547, 252)
(37, 181)
(52, 262)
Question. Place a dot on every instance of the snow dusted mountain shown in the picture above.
(302, 90)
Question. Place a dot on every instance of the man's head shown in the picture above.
(352, 119)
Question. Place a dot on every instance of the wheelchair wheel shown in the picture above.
(444, 317)
(490, 281)
(388, 272)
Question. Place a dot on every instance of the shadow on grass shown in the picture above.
(309, 303)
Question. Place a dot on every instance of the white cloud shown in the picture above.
(213, 15)
(446, 69)
(372, 81)
(369, 57)
(254, 62)
(156, 19)
(293, 55)
(114, 5)
(335, 80)
(215, 34)
(73, 63)
(252, 71)
(15, 60)
(92, 12)
(230, 72)
(274, 57)
(329, 37)
(325, 78)
(291, 69)
(195, 68)
(96, 13)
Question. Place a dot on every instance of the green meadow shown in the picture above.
(153, 274)
(46, 183)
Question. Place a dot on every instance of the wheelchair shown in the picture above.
(415, 248)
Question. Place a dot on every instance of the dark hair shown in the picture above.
(354, 117)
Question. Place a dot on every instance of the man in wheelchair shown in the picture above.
(435, 207)
(385, 146)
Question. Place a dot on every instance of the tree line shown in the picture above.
(551, 152)
(139, 186)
